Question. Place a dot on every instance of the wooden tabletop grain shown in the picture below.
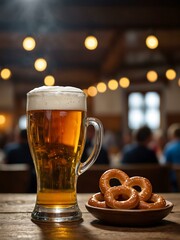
(15, 223)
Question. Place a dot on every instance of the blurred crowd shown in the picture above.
(142, 146)
(15, 150)
(138, 147)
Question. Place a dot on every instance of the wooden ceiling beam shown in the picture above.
(114, 55)
(61, 17)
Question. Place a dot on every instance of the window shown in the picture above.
(22, 122)
(144, 109)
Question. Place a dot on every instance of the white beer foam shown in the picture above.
(56, 98)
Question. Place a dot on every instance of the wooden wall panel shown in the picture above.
(113, 123)
(173, 118)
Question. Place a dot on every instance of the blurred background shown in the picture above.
(124, 54)
(125, 76)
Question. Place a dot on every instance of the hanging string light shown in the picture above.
(2, 119)
(40, 64)
(152, 76)
(29, 43)
(101, 87)
(85, 91)
(152, 42)
(92, 91)
(91, 42)
(112, 84)
(179, 82)
(5, 73)
(49, 80)
(124, 82)
(170, 74)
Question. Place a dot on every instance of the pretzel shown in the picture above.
(104, 182)
(130, 198)
(143, 183)
(125, 196)
(156, 201)
(97, 200)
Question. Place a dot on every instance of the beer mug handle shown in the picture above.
(96, 123)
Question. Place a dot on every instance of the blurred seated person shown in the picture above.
(140, 152)
(109, 139)
(172, 150)
(158, 143)
(2, 144)
(103, 154)
(112, 146)
(19, 152)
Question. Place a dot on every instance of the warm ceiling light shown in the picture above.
(179, 82)
(92, 91)
(40, 64)
(49, 80)
(152, 76)
(91, 42)
(101, 87)
(170, 74)
(124, 82)
(5, 73)
(85, 91)
(113, 84)
(2, 119)
(152, 42)
(29, 43)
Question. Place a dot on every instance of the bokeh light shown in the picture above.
(49, 80)
(112, 84)
(101, 87)
(170, 74)
(91, 43)
(152, 76)
(85, 91)
(29, 43)
(152, 42)
(92, 91)
(5, 73)
(2, 119)
(124, 82)
(40, 64)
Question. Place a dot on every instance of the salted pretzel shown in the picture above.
(156, 201)
(97, 200)
(125, 195)
(143, 183)
(121, 197)
(104, 182)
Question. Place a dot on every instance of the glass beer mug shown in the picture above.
(56, 127)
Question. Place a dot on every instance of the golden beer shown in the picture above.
(56, 128)
(56, 140)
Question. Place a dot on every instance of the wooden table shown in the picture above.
(15, 223)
